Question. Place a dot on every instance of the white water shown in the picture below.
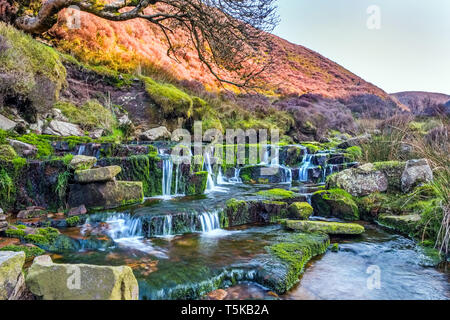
(209, 221)
(81, 150)
(167, 177)
(303, 171)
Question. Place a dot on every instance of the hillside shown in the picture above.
(135, 44)
(419, 101)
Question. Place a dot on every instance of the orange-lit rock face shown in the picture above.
(294, 68)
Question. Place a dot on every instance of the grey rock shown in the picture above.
(64, 129)
(415, 173)
(6, 124)
(23, 149)
(11, 277)
(160, 133)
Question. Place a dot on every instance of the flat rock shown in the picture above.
(23, 149)
(160, 133)
(63, 129)
(322, 226)
(103, 174)
(405, 224)
(52, 281)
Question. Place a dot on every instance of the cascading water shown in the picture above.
(303, 171)
(167, 176)
(207, 166)
(209, 221)
(81, 150)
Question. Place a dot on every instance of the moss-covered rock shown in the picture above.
(264, 174)
(197, 183)
(11, 264)
(323, 226)
(52, 281)
(105, 195)
(335, 203)
(276, 194)
(300, 210)
(30, 251)
(103, 174)
(288, 257)
(406, 224)
(7, 153)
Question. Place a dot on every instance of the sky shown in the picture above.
(406, 48)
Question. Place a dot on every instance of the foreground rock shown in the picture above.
(103, 174)
(160, 133)
(82, 162)
(105, 195)
(405, 224)
(322, 226)
(11, 277)
(52, 281)
(360, 181)
(415, 173)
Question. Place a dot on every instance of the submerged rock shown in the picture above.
(103, 174)
(52, 281)
(11, 277)
(335, 203)
(416, 172)
(105, 195)
(360, 181)
(80, 162)
(323, 226)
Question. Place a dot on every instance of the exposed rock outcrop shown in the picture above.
(52, 281)
(160, 133)
(63, 129)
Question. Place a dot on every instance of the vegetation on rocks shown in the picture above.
(335, 203)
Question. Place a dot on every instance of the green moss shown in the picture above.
(276, 194)
(300, 210)
(29, 62)
(73, 221)
(336, 203)
(37, 239)
(30, 252)
(7, 153)
(7, 188)
(353, 153)
(42, 143)
(294, 251)
(89, 116)
(323, 226)
(173, 101)
(19, 163)
(15, 233)
(197, 183)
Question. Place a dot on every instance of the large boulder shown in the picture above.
(11, 277)
(6, 124)
(415, 173)
(23, 149)
(105, 195)
(335, 203)
(80, 162)
(103, 174)
(52, 281)
(64, 129)
(325, 227)
(360, 181)
(160, 133)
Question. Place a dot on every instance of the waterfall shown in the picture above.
(167, 176)
(275, 158)
(81, 150)
(167, 225)
(209, 221)
(303, 171)
(220, 179)
(207, 166)
(223, 180)
(124, 226)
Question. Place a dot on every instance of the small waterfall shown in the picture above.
(209, 221)
(167, 176)
(81, 150)
(167, 226)
(124, 226)
(303, 172)
(236, 178)
(275, 156)
(233, 180)
(207, 166)
(220, 178)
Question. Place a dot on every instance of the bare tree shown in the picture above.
(226, 34)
